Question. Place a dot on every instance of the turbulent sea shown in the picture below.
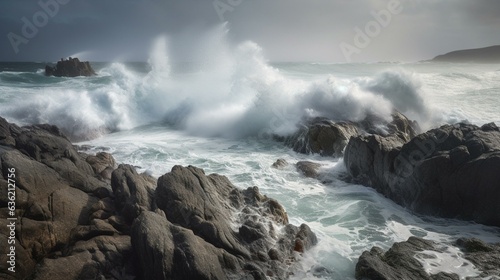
(219, 114)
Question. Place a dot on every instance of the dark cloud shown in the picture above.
(310, 30)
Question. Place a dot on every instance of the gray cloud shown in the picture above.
(286, 29)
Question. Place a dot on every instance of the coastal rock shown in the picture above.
(397, 263)
(72, 67)
(486, 257)
(399, 126)
(322, 136)
(171, 252)
(280, 163)
(6, 138)
(102, 257)
(368, 158)
(308, 168)
(329, 138)
(58, 233)
(103, 164)
(451, 171)
(134, 193)
(239, 229)
(404, 260)
(75, 223)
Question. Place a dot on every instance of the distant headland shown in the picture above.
(481, 55)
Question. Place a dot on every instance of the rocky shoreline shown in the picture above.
(84, 216)
(81, 216)
(451, 172)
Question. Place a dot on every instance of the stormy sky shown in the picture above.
(287, 30)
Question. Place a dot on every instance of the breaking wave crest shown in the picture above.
(229, 91)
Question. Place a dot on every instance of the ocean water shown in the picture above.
(219, 114)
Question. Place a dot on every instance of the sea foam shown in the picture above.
(232, 91)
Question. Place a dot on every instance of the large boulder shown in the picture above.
(102, 257)
(450, 171)
(486, 257)
(218, 231)
(322, 136)
(172, 252)
(62, 209)
(134, 193)
(405, 260)
(329, 138)
(72, 67)
(308, 168)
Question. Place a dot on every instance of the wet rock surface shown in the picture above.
(404, 260)
(451, 171)
(308, 168)
(82, 217)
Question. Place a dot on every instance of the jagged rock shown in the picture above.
(403, 127)
(450, 172)
(404, 260)
(329, 138)
(103, 164)
(308, 168)
(369, 157)
(209, 206)
(171, 252)
(72, 67)
(322, 136)
(48, 145)
(133, 192)
(486, 257)
(6, 138)
(55, 199)
(398, 262)
(73, 225)
(399, 126)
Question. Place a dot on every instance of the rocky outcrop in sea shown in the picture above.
(81, 216)
(329, 138)
(71, 67)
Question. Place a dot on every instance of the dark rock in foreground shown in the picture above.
(486, 257)
(452, 171)
(81, 217)
(215, 231)
(62, 207)
(401, 261)
(72, 67)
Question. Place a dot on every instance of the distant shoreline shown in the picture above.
(480, 55)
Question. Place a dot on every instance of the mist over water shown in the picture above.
(229, 91)
(212, 111)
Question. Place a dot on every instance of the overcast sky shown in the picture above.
(287, 30)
